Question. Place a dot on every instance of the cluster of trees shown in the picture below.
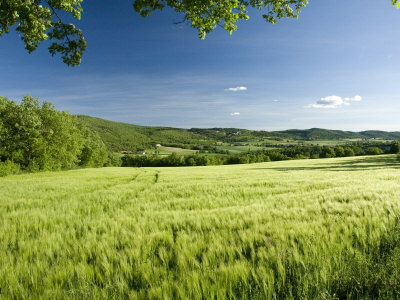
(336, 151)
(128, 137)
(173, 160)
(34, 136)
(298, 152)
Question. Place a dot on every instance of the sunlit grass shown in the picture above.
(293, 229)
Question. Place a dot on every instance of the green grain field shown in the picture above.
(169, 150)
(311, 229)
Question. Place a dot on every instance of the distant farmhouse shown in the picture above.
(126, 152)
(141, 152)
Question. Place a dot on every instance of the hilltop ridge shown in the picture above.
(122, 136)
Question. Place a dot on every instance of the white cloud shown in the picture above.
(334, 102)
(355, 98)
(237, 89)
(275, 100)
(235, 114)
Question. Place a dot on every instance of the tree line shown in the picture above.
(34, 136)
(288, 153)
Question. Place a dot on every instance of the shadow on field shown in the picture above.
(357, 164)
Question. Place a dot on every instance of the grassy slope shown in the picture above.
(168, 150)
(121, 136)
(312, 229)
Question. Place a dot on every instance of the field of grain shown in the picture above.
(311, 229)
(162, 150)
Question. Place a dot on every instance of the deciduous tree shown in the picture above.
(39, 20)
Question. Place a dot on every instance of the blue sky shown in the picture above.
(335, 67)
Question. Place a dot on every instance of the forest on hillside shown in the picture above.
(35, 136)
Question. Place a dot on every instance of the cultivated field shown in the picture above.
(311, 229)
(169, 150)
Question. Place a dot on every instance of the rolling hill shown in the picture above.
(122, 136)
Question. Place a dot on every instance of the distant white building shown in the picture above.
(158, 145)
(141, 152)
(126, 152)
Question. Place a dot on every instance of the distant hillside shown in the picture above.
(244, 135)
(326, 134)
(121, 136)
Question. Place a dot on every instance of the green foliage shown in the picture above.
(348, 151)
(93, 153)
(285, 153)
(396, 3)
(327, 152)
(38, 20)
(232, 135)
(310, 229)
(205, 15)
(38, 137)
(127, 137)
(8, 168)
(395, 147)
(114, 159)
(358, 150)
(373, 151)
(339, 151)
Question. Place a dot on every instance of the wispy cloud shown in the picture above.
(237, 89)
(235, 114)
(334, 102)
(275, 100)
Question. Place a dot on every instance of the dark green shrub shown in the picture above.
(8, 168)
(339, 151)
(327, 152)
(114, 160)
(348, 151)
(373, 151)
(395, 148)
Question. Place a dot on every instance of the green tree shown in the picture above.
(20, 140)
(205, 15)
(348, 151)
(63, 140)
(327, 152)
(94, 153)
(394, 148)
(358, 150)
(38, 137)
(39, 20)
(339, 151)
(373, 151)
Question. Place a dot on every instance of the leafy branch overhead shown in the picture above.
(205, 15)
(39, 20)
(396, 2)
